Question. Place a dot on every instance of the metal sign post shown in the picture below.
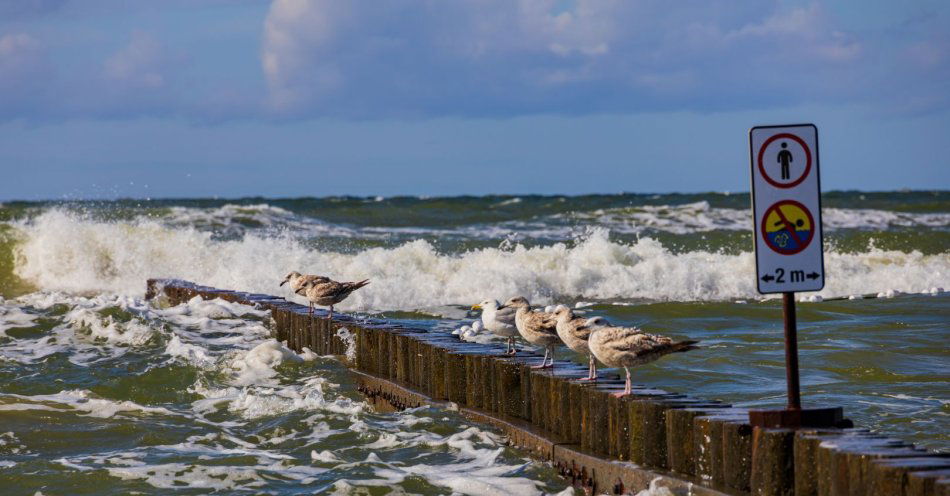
(786, 208)
(791, 351)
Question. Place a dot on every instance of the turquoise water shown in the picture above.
(103, 392)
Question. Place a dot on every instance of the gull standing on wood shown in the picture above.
(575, 332)
(298, 280)
(629, 346)
(327, 292)
(500, 321)
(537, 328)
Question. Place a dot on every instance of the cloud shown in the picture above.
(509, 57)
(363, 59)
(23, 70)
(138, 64)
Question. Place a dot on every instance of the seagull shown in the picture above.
(537, 328)
(298, 280)
(500, 321)
(575, 331)
(327, 292)
(629, 346)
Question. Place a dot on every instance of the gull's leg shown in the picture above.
(330, 315)
(591, 371)
(507, 349)
(311, 309)
(627, 389)
(543, 360)
(514, 349)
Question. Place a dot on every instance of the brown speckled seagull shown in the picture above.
(327, 292)
(537, 328)
(575, 332)
(629, 346)
(298, 280)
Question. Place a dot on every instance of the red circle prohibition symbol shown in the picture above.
(807, 160)
(795, 242)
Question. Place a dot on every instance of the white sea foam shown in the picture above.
(13, 316)
(190, 353)
(257, 366)
(85, 333)
(701, 217)
(242, 379)
(349, 339)
(90, 332)
(80, 400)
(180, 475)
(233, 220)
(324, 456)
(260, 401)
(10, 444)
(655, 489)
(119, 257)
(106, 328)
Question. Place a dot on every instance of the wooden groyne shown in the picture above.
(600, 443)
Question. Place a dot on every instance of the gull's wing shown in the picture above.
(633, 340)
(580, 329)
(329, 288)
(506, 315)
(542, 322)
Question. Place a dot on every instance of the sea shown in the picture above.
(104, 392)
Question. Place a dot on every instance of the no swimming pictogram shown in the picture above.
(788, 227)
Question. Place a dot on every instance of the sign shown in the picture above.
(786, 207)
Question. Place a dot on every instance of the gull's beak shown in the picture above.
(503, 306)
(284, 282)
(476, 307)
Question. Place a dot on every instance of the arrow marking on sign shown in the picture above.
(768, 278)
(813, 275)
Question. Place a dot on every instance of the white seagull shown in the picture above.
(500, 321)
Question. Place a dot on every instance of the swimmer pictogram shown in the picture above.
(788, 227)
(784, 160)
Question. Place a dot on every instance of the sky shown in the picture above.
(286, 98)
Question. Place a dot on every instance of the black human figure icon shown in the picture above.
(785, 157)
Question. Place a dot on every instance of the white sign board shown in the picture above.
(786, 208)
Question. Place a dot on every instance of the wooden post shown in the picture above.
(773, 463)
(791, 351)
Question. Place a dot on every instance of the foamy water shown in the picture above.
(240, 378)
(117, 257)
(102, 389)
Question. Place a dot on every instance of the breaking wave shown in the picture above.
(62, 251)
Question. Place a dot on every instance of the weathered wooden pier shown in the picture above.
(601, 443)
